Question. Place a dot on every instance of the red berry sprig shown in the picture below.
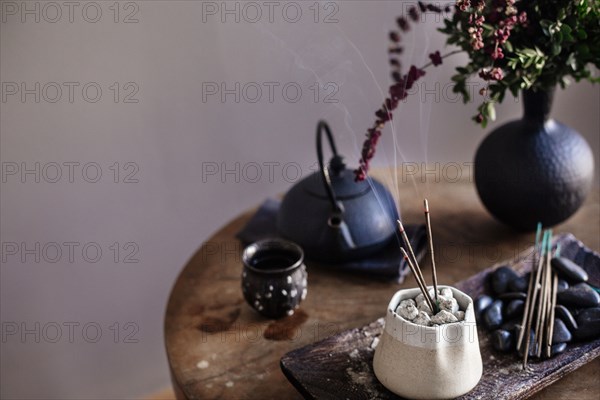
(502, 15)
(403, 82)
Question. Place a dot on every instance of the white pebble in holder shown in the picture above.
(428, 362)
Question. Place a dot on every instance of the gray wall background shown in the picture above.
(171, 147)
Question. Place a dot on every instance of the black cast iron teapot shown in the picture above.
(333, 217)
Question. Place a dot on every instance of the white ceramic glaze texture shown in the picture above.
(425, 362)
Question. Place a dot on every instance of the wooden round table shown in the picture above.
(218, 347)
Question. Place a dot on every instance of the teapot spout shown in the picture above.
(342, 231)
(346, 236)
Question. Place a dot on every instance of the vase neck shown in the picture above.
(537, 104)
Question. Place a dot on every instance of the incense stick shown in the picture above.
(410, 249)
(430, 240)
(548, 301)
(543, 299)
(548, 324)
(418, 273)
(548, 311)
(541, 314)
(534, 298)
(552, 314)
(419, 283)
(534, 277)
(530, 288)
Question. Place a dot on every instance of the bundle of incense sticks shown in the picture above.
(540, 302)
(410, 258)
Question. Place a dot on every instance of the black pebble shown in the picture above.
(562, 285)
(503, 340)
(481, 303)
(558, 348)
(563, 313)
(514, 309)
(492, 317)
(561, 333)
(569, 270)
(580, 295)
(513, 296)
(519, 284)
(513, 326)
(500, 278)
(589, 324)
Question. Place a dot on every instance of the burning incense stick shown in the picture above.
(421, 284)
(430, 239)
(419, 274)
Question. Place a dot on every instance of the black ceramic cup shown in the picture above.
(274, 277)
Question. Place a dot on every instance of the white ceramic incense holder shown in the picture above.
(428, 362)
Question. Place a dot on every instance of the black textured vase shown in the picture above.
(534, 169)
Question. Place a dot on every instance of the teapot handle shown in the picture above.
(337, 206)
(336, 220)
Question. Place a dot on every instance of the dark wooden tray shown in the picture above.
(340, 367)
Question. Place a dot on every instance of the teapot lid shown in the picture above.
(342, 182)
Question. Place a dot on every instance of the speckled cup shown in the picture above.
(426, 362)
(274, 278)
